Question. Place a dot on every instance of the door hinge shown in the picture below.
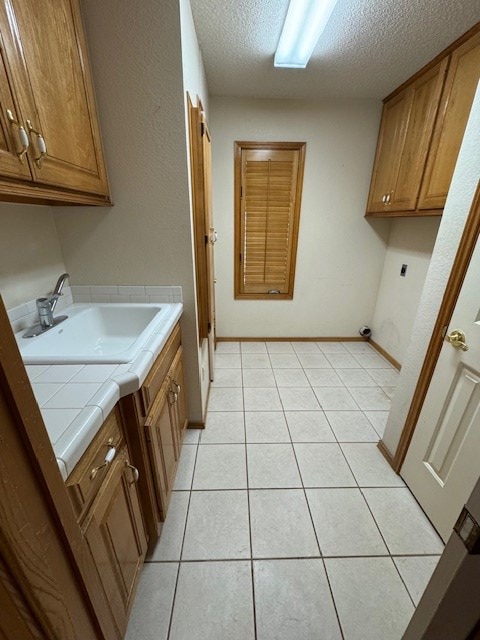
(241, 192)
(468, 530)
(202, 129)
(240, 258)
(209, 327)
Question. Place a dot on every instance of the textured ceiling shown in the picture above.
(368, 48)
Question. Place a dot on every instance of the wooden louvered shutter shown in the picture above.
(267, 218)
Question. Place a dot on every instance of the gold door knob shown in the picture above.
(457, 339)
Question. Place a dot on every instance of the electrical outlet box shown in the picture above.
(403, 270)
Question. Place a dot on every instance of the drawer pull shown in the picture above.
(134, 470)
(109, 457)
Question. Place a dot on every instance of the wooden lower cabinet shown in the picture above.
(116, 537)
(178, 407)
(155, 418)
(163, 448)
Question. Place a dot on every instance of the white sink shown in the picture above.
(95, 333)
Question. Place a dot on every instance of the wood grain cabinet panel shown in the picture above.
(161, 436)
(116, 537)
(456, 102)
(178, 406)
(391, 139)
(405, 134)
(49, 75)
(11, 165)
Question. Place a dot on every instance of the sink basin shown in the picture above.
(96, 333)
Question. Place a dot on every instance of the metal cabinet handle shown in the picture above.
(172, 397)
(457, 339)
(109, 457)
(22, 135)
(134, 471)
(41, 144)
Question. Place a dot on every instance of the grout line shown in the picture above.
(181, 549)
(298, 557)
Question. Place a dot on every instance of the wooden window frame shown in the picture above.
(240, 146)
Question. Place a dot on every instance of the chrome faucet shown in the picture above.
(45, 308)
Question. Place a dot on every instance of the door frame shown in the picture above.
(200, 232)
(460, 265)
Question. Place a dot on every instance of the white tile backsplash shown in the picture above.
(25, 315)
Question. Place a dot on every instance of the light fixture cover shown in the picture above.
(304, 24)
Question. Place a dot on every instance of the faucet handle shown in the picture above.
(45, 314)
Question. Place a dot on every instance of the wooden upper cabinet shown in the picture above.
(49, 75)
(405, 134)
(13, 162)
(456, 102)
(389, 150)
(421, 132)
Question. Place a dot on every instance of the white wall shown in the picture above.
(195, 84)
(194, 78)
(146, 238)
(340, 254)
(411, 242)
(30, 255)
(457, 208)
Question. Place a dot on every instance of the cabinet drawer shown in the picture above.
(159, 370)
(85, 480)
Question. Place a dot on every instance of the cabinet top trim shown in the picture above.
(443, 54)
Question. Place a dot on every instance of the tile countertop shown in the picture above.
(75, 399)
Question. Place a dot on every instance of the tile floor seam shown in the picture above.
(181, 549)
(387, 546)
(254, 610)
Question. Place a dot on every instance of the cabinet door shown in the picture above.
(116, 538)
(457, 97)
(391, 140)
(47, 54)
(161, 438)
(179, 406)
(421, 117)
(11, 165)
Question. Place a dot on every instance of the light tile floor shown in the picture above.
(286, 522)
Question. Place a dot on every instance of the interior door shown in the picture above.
(211, 239)
(442, 463)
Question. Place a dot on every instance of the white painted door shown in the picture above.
(443, 461)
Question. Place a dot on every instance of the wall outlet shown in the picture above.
(403, 270)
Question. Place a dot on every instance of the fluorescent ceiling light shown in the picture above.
(304, 24)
